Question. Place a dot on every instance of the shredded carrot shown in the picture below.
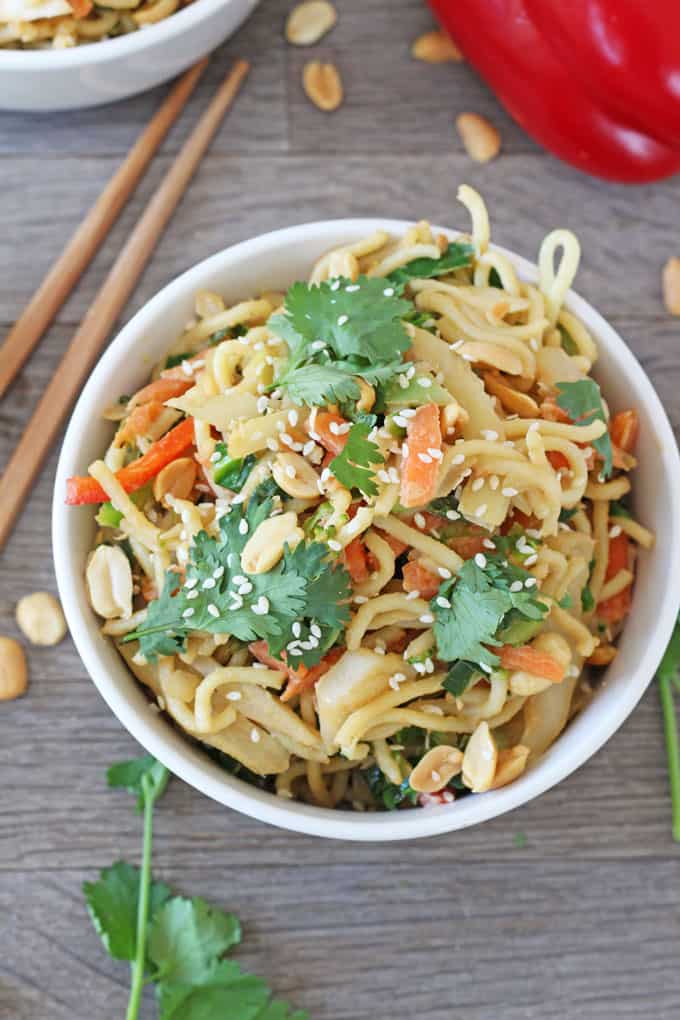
(551, 411)
(625, 429)
(161, 390)
(139, 421)
(395, 544)
(613, 610)
(133, 476)
(419, 578)
(467, 546)
(356, 561)
(419, 467)
(557, 460)
(530, 660)
(300, 679)
(328, 439)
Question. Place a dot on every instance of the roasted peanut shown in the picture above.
(435, 48)
(109, 582)
(602, 656)
(13, 671)
(511, 399)
(40, 618)
(310, 21)
(479, 760)
(323, 85)
(671, 285)
(296, 476)
(264, 548)
(480, 138)
(176, 479)
(510, 765)
(367, 398)
(436, 768)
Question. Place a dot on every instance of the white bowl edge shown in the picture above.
(642, 643)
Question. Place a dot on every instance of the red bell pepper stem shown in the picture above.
(133, 476)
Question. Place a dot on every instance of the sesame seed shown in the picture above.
(236, 695)
(448, 797)
(487, 669)
(534, 427)
(191, 583)
(408, 412)
(245, 589)
(429, 665)
(389, 292)
(308, 448)
(516, 586)
(383, 476)
(360, 599)
(272, 444)
(261, 607)
(258, 665)
(424, 382)
(188, 612)
(315, 630)
(403, 381)
(296, 629)
(318, 345)
(494, 482)
(435, 776)
(290, 470)
(335, 284)
(490, 434)
(255, 735)
(239, 579)
(481, 510)
(243, 526)
(533, 343)
(419, 521)
(435, 453)
(458, 459)
(452, 515)
(260, 388)
(457, 345)
(401, 422)
(379, 649)
(443, 572)
(209, 582)
(280, 427)
(293, 417)
(425, 458)
(477, 484)
(352, 288)
(615, 531)
(530, 582)
(509, 492)
(394, 684)
(427, 618)
(342, 319)
(334, 545)
(415, 594)
(214, 457)
(444, 603)
(334, 428)
(419, 667)
(213, 610)
(287, 440)
(530, 560)
(193, 594)
(404, 450)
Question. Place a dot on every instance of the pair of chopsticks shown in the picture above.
(82, 352)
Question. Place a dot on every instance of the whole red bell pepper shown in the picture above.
(597, 82)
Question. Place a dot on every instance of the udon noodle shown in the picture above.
(365, 559)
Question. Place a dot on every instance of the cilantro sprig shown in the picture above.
(174, 942)
(582, 400)
(337, 330)
(352, 467)
(458, 255)
(668, 675)
(217, 596)
(479, 600)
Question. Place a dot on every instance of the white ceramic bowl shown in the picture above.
(102, 72)
(273, 261)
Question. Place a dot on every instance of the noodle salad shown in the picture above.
(361, 540)
(60, 24)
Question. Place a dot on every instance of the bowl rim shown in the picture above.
(151, 732)
(109, 49)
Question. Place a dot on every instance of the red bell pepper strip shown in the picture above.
(133, 476)
(595, 82)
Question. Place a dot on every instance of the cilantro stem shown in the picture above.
(137, 965)
(670, 726)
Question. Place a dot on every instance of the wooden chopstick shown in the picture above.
(82, 352)
(81, 249)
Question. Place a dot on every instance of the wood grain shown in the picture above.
(584, 921)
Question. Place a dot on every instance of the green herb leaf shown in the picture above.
(225, 993)
(129, 775)
(112, 905)
(352, 466)
(458, 255)
(587, 600)
(173, 360)
(495, 278)
(210, 601)
(386, 793)
(617, 509)
(338, 330)
(582, 401)
(186, 938)
(566, 513)
(480, 599)
(568, 344)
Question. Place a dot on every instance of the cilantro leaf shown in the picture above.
(318, 384)
(480, 598)
(386, 793)
(338, 330)
(112, 904)
(352, 466)
(457, 255)
(187, 936)
(582, 401)
(129, 775)
(303, 586)
(224, 992)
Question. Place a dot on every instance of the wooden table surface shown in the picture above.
(580, 922)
